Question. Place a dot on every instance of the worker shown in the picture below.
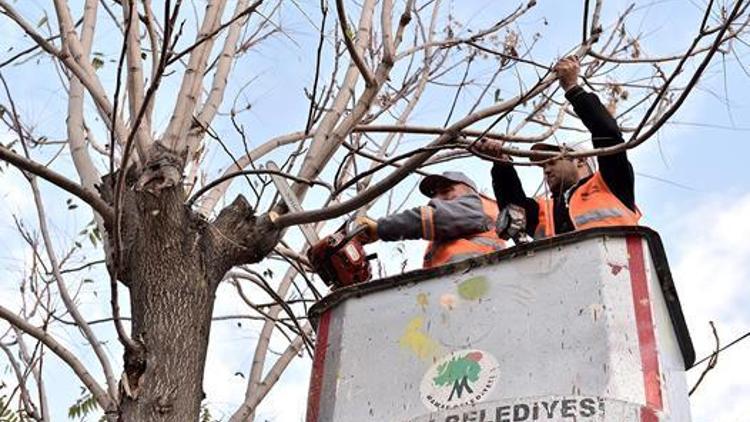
(458, 222)
(579, 197)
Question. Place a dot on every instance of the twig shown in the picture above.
(310, 112)
(228, 176)
(44, 172)
(99, 394)
(33, 48)
(507, 56)
(730, 344)
(635, 139)
(713, 359)
(458, 91)
(250, 9)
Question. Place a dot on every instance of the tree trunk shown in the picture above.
(173, 260)
(171, 297)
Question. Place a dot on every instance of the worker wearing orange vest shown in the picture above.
(458, 221)
(579, 198)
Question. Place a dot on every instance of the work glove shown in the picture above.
(370, 233)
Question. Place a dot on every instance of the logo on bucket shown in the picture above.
(459, 378)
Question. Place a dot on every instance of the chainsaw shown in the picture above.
(511, 224)
(340, 259)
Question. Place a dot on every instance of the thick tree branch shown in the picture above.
(85, 168)
(58, 180)
(353, 50)
(187, 97)
(241, 13)
(221, 76)
(320, 154)
(136, 88)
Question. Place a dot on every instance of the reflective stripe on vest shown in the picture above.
(591, 205)
(597, 215)
(439, 253)
(428, 223)
(486, 241)
(461, 257)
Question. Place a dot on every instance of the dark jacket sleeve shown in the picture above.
(509, 190)
(438, 220)
(616, 170)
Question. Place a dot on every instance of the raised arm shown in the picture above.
(615, 169)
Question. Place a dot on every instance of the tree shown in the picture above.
(154, 214)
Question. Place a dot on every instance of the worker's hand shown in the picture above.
(490, 147)
(371, 228)
(567, 70)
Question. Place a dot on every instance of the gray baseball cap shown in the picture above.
(431, 183)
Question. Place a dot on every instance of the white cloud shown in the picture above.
(712, 278)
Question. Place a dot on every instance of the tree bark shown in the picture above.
(172, 260)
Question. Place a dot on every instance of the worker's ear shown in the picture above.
(583, 167)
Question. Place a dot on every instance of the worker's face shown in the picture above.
(452, 191)
(561, 174)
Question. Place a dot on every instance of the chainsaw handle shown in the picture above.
(352, 234)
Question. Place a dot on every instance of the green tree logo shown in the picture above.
(459, 372)
(459, 378)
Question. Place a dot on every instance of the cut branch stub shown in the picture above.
(163, 170)
(240, 236)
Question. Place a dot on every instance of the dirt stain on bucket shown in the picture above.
(474, 288)
(418, 341)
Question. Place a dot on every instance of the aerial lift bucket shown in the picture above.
(582, 327)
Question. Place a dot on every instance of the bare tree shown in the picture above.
(155, 214)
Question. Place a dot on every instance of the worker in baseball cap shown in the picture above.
(578, 197)
(458, 221)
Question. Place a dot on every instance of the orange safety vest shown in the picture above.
(439, 253)
(591, 205)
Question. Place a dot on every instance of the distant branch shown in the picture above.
(100, 395)
(356, 57)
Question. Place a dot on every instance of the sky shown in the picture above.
(690, 186)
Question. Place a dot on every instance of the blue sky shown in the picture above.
(700, 206)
